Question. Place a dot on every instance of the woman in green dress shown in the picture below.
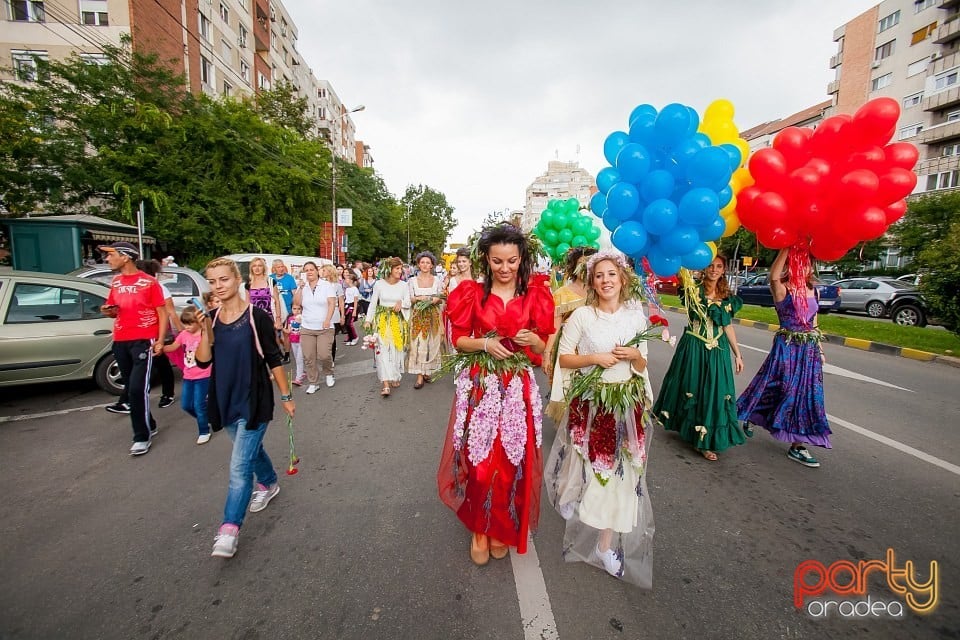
(697, 398)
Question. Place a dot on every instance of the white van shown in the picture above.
(294, 263)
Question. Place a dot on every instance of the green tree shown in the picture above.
(928, 219)
(282, 106)
(941, 280)
(431, 218)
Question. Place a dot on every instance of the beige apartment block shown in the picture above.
(224, 48)
(32, 29)
(561, 181)
(907, 50)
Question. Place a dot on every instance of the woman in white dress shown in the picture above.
(595, 475)
(388, 317)
(426, 324)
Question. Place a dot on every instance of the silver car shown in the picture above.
(872, 295)
(181, 282)
(51, 330)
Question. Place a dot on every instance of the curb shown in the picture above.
(853, 343)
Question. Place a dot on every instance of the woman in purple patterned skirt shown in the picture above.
(786, 395)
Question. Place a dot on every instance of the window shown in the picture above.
(245, 71)
(226, 50)
(322, 93)
(224, 13)
(227, 88)
(286, 56)
(910, 130)
(242, 40)
(920, 5)
(912, 100)
(94, 58)
(94, 13)
(262, 82)
(922, 34)
(206, 72)
(945, 180)
(273, 39)
(322, 113)
(27, 11)
(204, 27)
(953, 116)
(885, 50)
(25, 63)
(881, 82)
(34, 303)
(952, 149)
(283, 27)
(920, 66)
(945, 80)
(890, 21)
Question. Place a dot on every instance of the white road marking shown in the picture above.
(47, 414)
(899, 446)
(535, 611)
(839, 371)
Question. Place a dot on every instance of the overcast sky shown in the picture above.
(474, 98)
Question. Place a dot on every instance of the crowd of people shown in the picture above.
(490, 320)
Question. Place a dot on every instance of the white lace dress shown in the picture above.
(392, 332)
(597, 489)
(426, 331)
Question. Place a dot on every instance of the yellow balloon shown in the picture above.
(720, 109)
(733, 224)
(744, 177)
(744, 147)
(713, 249)
(730, 208)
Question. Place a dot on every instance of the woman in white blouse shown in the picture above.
(426, 324)
(388, 316)
(318, 299)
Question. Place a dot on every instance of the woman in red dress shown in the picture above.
(491, 467)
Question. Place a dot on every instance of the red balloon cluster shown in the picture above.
(832, 187)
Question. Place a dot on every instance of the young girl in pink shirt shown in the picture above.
(196, 381)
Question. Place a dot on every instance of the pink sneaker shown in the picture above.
(299, 381)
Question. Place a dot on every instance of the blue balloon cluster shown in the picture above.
(662, 193)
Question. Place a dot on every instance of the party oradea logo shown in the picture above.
(841, 588)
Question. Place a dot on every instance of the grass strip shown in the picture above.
(886, 332)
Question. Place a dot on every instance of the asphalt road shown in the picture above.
(96, 544)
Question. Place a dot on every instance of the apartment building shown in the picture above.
(907, 50)
(32, 29)
(562, 180)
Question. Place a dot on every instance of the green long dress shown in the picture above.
(697, 398)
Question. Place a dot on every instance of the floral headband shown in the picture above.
(608, 254)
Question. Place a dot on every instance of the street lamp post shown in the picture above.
(333, 181)
(409, 207)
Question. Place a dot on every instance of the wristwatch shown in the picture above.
(286, 398)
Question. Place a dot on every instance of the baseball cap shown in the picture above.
(123, 248)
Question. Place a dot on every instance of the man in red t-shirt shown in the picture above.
(140, 325)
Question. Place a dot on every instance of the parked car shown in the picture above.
(756, 290)
(183, 283)
(885, 297)
(911, 278)
(668, 285)
(51, 330)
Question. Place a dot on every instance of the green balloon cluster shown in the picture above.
(562, 226)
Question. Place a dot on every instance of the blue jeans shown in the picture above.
(193, 400)
(248, 459)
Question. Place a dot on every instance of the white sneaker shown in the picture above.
(262, 497)
(225, 545)
(312, 389)
(610, 561)
(203, 438)
(567, 510)
(140, 448)
(331, 381)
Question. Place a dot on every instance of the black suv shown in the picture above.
(908, 308)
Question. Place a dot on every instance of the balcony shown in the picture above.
(261, 26)
(949, 4)
(938, 133)
(948, 31)
(942, 64)
(941, 100)
(837, 59)
(938, 165)
(833, 87)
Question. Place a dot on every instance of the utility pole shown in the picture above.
(333, 216)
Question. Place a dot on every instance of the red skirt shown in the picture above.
(495, 497)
